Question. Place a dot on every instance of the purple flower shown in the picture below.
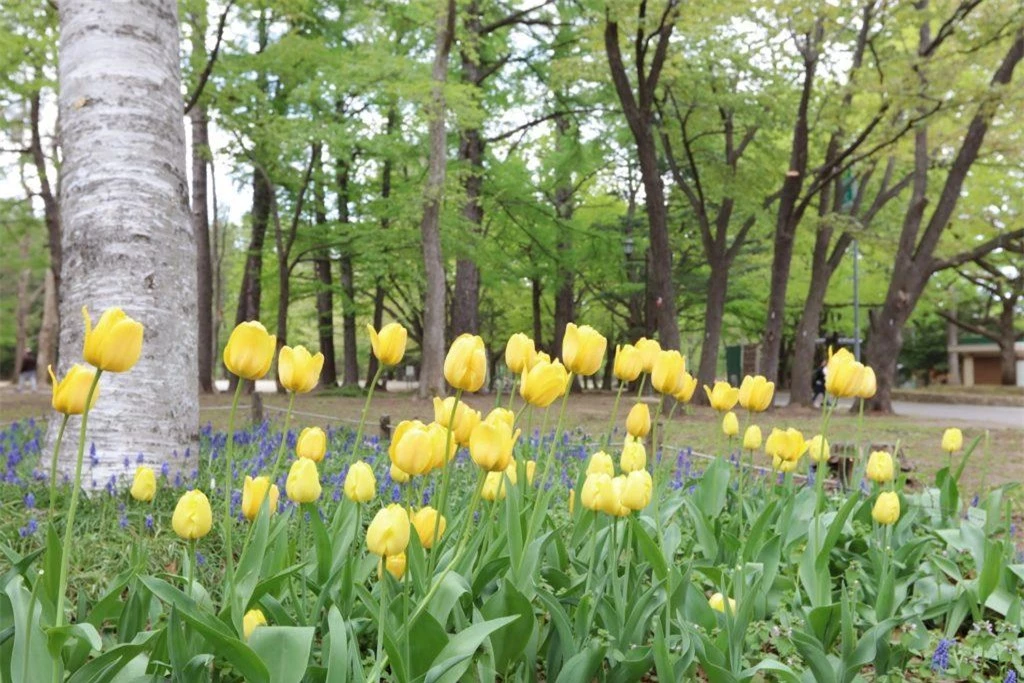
(940, 660)
(200, 560)
(123, 521)
(1011, 676)
(30, 500)
(149, 522)
(29, 529)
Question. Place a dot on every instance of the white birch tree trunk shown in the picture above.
(127, 237)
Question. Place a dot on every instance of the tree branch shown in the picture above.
(205, 75)
(1003, 241)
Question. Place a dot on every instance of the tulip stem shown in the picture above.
(191, 576)
(53, 464)
(615, 414)
(383, 607)
(512, 394)
(229, 448)
(534, 516)
(821, 467)
(284, 439)
(643, 383)
(445, 473)
(366, 409)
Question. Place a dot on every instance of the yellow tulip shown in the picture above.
(880, 468)
(634, 456)
(388, 533)
(144, 484)
(465, 418)
(252, 620)
(531, 470)
(952, 440)
(539, 357)
(412, 448)
(311, 444)
(465, 366)
(601, 463)
(543, 383)
(613, 504)
(667, 375)
(388, 344)
(116, 342)
(360, 484)
(781, 465)
(756, 393)
(597, 491)
(583, 349)
(730, 424)
(636, 495)
(303, 483)
(494, 487)
(752, 438)
(629, 363)
(438, 442)
(192, 517)
(519, 353)
(502, 415)
(887, 508)
(70, 393)
(788, 446)
(717, 602)
(819, 449)
(723, 396)
(491, 445)
(638, 422)
(649, 350)
(298, 370)
(399, 475)
(395, 565)
(868, 384)
(253, 493)
(843, 374)
(250, 350)
(424, 521)
(685, 388)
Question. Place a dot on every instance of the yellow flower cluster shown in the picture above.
(846, 377)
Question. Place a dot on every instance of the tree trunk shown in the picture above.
(204, 261)
(251, 289)
(324, 293)
(349, 333)
(432, 372)
(1007, 343)
(23, 305)
(49, 329)
(952, 339)
(535, 300)
(565, 293)
(714, 314)
(385, 223)
(127, 237)
(805, 343)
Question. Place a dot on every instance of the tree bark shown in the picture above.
(714, 314)
(536, 293)
(565, 292)
(22, 308)
(324, 289)
(204, 261)
(432, 371)
(127, 238)
(49, 330)
(349, 334)
(1008, 342)
(466, 304)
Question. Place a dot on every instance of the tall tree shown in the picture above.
(638, 107)
(324, 285)
(127, 237)
(432, 370)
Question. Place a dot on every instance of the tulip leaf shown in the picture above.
(247, 573)
(776, 668)
(109, 664)
(650, 550)
(582, 666)
(57, 636)
(454, 659)
(705, 535)
(824, 622)
(321, 541)
(339, 652)
(814, 657)
(284, 650)
(452, 587)
(507, 600)
(713, 488)
(29, 653)
(427, 639)
(562, 643)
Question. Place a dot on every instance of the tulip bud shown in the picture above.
(388, 344)
(395, 565)
(597, 489)
(730, 424)
(399, 475)
(465, 366)
(667, 374)
(144, 484)
(360, 484)
(788, 446)
(634, 456)
(868, 384)
(723, 397)
(638, 422)
(465, 418)
(531, 470)
(636, 495)
(629, 363)
(491, 445)
(250, 350)
(192, 517)
(251, 621)
(819, 449)
(388, 533)
(303, 483)
(880, 467)
(583, 349)
(601, 462)
(311, 444)
(756, 393)
(543, 383)
(298, 370)
(887, 508)
(253, 493)
(494, 487)
(752, 438)
(70, 394)
(115, 344)
(649, 350)
(424, 521)
(717, 602)
(952, 440)
(684, 389)
(519, 353)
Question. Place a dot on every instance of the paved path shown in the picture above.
(951, 413)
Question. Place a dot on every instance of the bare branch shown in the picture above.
(205, 75)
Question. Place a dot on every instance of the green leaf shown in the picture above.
(649, 549)
(57, 636)
(454, 659)
(507, 601)
(29, 655)
(582, 666)
(110, 663)
(284, 650)
(713, 488)
(824, 622)
(339, 652)
(452, 587)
